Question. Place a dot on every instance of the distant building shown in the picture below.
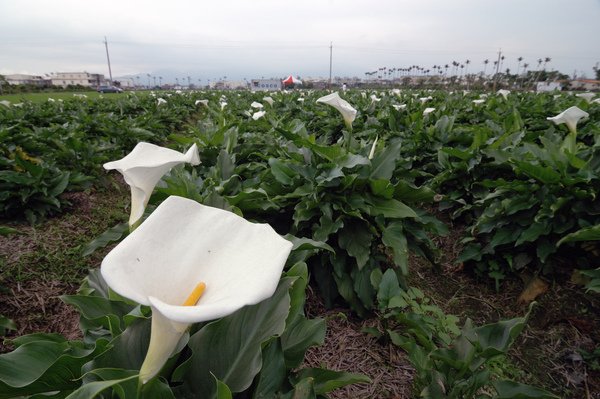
(265, 84)
(86, 79)
(548, 86)
(22, 79)
(585, 84)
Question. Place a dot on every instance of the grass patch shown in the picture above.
(51, 250)
(44, 96)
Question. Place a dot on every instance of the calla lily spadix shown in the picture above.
(334, 100)
(570, 117)
(180, 244)
(258, 115)
(143, 167)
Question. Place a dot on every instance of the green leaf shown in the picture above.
(303, 243)
(281, 171)
(40, 366)
(223, 391)
(90, 390)
(6, 324)
(388, 288)
(544, 174)
(230, 348)
(591, 233)
(515, 390)
(5, 231)
(356, 238)
(113, 234)
(299, 336)
(383, 164)
(393, 237)
(390, 208)
(496, 338)
(304, 389)
(273, 372)
(325, 381)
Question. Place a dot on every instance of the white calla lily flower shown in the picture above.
(269, 100)
(570, 117)
(504, 93)
(143, 167)
(427, 111)
(596, 101)
(347, 111)
(425, 99)
(586, 96)
(258, 115)
(223, 105)
(372, 152)
(479, 101)
(6, 103)
(203, 102)
(256, 105)
(374, 98)
(161, 101)
(301, 99)
(182, 244)
(399, 107)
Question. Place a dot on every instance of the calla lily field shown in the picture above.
(245, 209)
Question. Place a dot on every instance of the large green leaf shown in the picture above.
(230, 348)
(41, 366)
(390, 208)
(356, 238)
(124, 382)
(591, 233)
(273, 372)
(384, 163)
(393, 236)
(326, 381)
(515, 390)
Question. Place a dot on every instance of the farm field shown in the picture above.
(439, 244)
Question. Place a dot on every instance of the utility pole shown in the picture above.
(497, 67)
(108, 59)
(330, 62)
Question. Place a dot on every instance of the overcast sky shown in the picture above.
(249, 39)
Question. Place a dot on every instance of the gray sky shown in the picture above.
(249, 39)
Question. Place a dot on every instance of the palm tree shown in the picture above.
(485, 64)
(546, 61)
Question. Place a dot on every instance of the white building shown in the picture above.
(65, 79)
(548, 86)
(265, 84)
(22, 79)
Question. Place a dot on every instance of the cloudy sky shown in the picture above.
(272, 38)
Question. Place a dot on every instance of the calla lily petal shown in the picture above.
(477, 102)
(427, 111)
(161, 101)
(504, 93)
(143, 167)
(203, 102)
(258, 115)
(347, 111)
(256, 105)
(586, 96)
(180, 244)
(372, 152)
(570, 117)
(5, 103)
(399, 107)
(269, 100)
